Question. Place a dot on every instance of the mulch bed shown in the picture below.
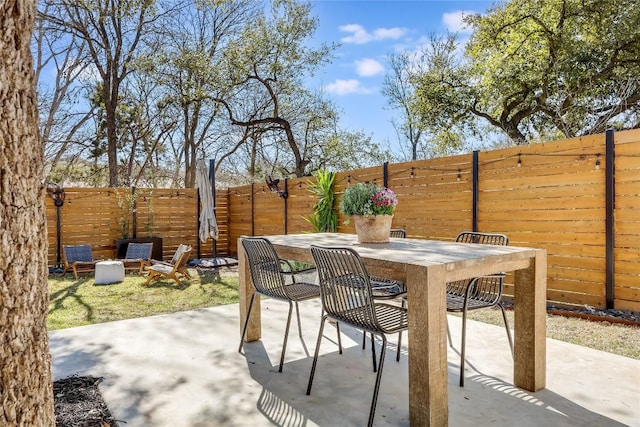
(79, 403)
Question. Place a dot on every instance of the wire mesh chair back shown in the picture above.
(398, 232)
(139, 251)
(484, 291)
(81, 253)
(345, 289)
(482, 238)
(264, 267)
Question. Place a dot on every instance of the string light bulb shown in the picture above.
(519, 160)
(458, 179)
(412, 174)
(598, 161)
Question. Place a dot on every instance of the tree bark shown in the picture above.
(26, 390)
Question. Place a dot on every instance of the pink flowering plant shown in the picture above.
(368, 199)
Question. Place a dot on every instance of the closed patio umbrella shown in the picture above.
(208, 224)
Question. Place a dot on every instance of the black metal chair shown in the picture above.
(269, 279)
(347, 298)
(477, 293)
(388, 289)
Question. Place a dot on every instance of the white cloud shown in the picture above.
(345, 87)
(454, 21)
(368, 67)
(359, 35)
(389, 33)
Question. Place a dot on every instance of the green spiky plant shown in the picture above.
(325, 217)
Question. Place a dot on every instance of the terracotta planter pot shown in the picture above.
(373, 229)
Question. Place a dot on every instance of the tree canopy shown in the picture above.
(537, 69)
(148, 87)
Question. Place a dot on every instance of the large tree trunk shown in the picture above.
(26, 391)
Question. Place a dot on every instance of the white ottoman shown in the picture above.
(109, 272)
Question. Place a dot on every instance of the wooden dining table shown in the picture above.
(426, 266)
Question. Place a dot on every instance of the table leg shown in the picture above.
(530, 358)
(428, 390)
(246, 290)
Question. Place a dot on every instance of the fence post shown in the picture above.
(285, 196)
(610, 197)
(253, 223)
(385, 174)
(228, 221)
(134, 213)
(475, 191)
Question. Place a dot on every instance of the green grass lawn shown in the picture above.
(81, 302)
(613, 338)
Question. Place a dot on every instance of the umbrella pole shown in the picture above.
(198, 216)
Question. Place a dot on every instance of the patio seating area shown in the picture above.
(184, 369)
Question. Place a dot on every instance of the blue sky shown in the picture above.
(368, 32)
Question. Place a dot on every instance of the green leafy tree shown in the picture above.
(399, 89)
(542, 68)
(191, 70)
(264, 72)
(113, 32)
(434, 126)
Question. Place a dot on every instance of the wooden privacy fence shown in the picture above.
(578, 198)
(97, 216)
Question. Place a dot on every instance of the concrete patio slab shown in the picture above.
(184, 369)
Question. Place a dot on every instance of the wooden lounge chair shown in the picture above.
(175, 257)
(79, 259)
(171, 271)
(138, 256)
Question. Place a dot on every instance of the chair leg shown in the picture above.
(404, 302)
(339, 339)
(376, 388)
(246, 323)
(152, 275)
(449, 335)
(462, 348)
(286, 335)
(299, 324)
(506, 325)
(373, 352)
(364, 339)
(315, 355)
